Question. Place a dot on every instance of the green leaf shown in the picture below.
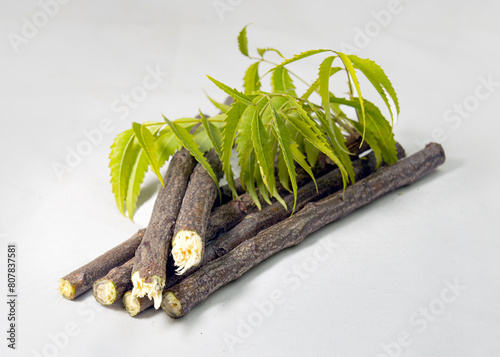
(282, 82)
(244, 138)
(139, 168)
(243, 41)
(228, 135)
(189, 143)
(301, 56)
(263, 152)
(338, 143)
(263, 190)
(377, 125)
(312, 153)
(337, 161)
(324, 91)
(202, 139)
(284, 140)
(221, 106)
(372, 141)
(312, 133)
(121, 159)
(213, 133)
(283, 174)
(301, 160)
(315, 85)
(237, 96)
(261, 51)
(350, 70)
(296, 58)
(251, 79)
(250, 180)
(148, 144)
(378, 79)
(167, 144)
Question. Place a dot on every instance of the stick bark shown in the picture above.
(79, 281)
(181, 298)
(148, 274)
(134, 305)
(110, 289)
(189, 239)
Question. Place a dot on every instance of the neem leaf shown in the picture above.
(261, 51)
(250, 180)
(148, 144)
(213, 133)
(244, 139)
(301, 56)
(243, 41)
(312, 153)
(315, 85)
(284, 140)
(120, 163)
(229, 129)
(324, 91)
(350, 70)
(301, 160)
(311, 132)
(189, 143)
(221, 106)
(263, 190)
(139, 168)
(283, 174)
(282, 82)
(378, 79)
(202, 139)
(263, 152)
(238, 96)
(376, 124)
(167, 144)
(251, 81)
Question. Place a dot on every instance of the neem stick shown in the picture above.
(260, 220)
(220, 221)
(181, 298)
(148, 274)
(270, 215)
(191, 225)
(111, 288)
(225, 217)
(134, 305)
(81, 280)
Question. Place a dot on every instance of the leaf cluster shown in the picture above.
(270, 132)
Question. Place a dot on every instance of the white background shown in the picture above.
(390, 261)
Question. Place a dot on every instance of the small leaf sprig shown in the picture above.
(277, 127)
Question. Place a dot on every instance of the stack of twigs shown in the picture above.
(197, 240)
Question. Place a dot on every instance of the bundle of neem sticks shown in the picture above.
(198, 241)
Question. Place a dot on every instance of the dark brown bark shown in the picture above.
(111, 288)
(181, 298)
(219, 222)
(270, 215)
(196, 207)
(253, 223)
(225, 217)
(81, 280)
(151, 255)
(226, 195)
